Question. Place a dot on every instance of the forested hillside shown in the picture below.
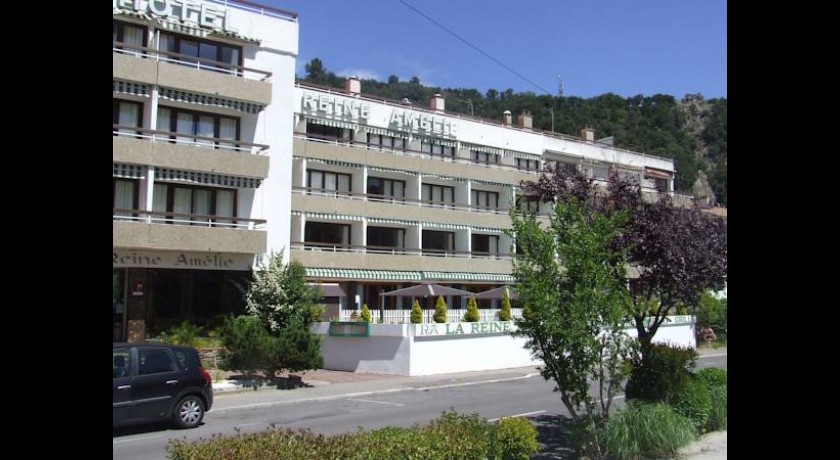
(692, 131)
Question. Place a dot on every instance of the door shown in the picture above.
(122, 384)
(158, 380)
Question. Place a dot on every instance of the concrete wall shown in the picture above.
(400, 349)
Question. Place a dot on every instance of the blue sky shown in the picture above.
(624, 47)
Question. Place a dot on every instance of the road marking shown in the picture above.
(122, 441)
(524, 414)
(463, 384)
(378, 402)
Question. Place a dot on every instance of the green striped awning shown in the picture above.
(382, 220)
(482, 148)
(186, 28)
(398, 171)
(235, 36)
(335, 163)
(135, 89)
(447, 178)
(435, 141)
(493, 184)
(127, 171)
(462, 276)
(523, 155)
(207, 178)
(326, 216)
(333, 123)
(132, 14)
(360, 274)
(385, 132)
(212, 101)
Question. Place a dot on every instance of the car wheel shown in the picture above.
(188, 412)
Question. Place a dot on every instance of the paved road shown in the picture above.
(341, 408)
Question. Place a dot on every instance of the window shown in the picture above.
(390, 142)
(125, 197)
(433, 147)
(326, 181)
(385, 237)
(122, 362)
(485, 157)
(319, 131)
(200, 205)
(485, 200)
(527, 165)
(528, 204)
(129, 34)
(128, 113)
(324, 234)
(156, 361)
(485, 244)
(386, 188)
(601, 172)
(218, 57)
(198, 127)
(437, 242)
(438, 194)
(567, 167)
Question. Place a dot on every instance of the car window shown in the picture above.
(156, 361)
(121, 362)
(181, 357)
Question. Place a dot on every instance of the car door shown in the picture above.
(122, 384)
(158, 380)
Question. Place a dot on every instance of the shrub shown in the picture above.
(694, 402)
(712, 376)
(513, 438)
(186, 334)
(365, 313)
(660, 373)
(471, 316)
(642, 430)
(416, 313)
(504, 313)
(451, 436)
(440, 310)
(246, 344)
(712, 313)
(296, 349)
(717, 416)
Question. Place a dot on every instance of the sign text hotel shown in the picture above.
(202, 261)
(335, 107)
(185, 10)
(422, 123)
(490, 327)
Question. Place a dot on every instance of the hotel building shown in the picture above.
(202, 113)
(386, 194)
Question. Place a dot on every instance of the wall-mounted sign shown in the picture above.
(194, 260)
(422, 123)
(490, 327)
(194, 12)
(335, 107)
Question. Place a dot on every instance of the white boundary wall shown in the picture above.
(427, 349)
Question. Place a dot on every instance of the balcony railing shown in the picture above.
(372, 197)
(199, 220)
(389, 250)
(189, 139)
(191, 61)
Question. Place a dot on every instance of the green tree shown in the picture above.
(440, 310)
(315, 70)
(571, 277)
(279, 295)
(471, 315)
(393, 79)
(416, 313)
(504, 313)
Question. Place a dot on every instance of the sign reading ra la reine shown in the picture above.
(422, 123)
(490, 327)
(335, 107)
(200, 261)
(186, 10)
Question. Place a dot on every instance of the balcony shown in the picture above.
(189, 73)
(134, 228)
(380, 258)
(190, 152)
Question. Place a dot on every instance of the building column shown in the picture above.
(137, 280)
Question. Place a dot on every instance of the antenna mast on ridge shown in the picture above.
(559, 86)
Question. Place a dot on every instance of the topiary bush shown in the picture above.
(440, 310)
(717, 416)
(471, 315)
(643, 430)
(694, 402)
(504, 313)
(246, 345)
(712, 376)
(660, 373)
(365, 313)
(416, 313)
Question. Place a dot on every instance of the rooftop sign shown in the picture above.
(188, 11)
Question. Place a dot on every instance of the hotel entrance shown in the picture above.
(118, 323)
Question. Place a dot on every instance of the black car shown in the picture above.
(155, 382)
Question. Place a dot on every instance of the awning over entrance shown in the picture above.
(330, 289)
(657, 174)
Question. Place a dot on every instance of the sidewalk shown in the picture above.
(325, 384)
